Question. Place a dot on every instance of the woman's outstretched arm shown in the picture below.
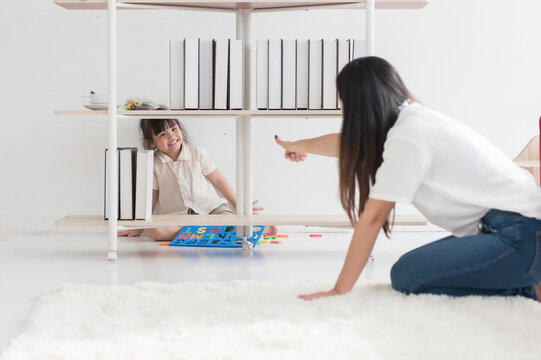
(364, 237)
(326, 145)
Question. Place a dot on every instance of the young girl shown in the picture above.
(392, 149)
(184, 177)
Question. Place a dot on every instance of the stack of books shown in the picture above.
(206, 74)
(301, 74)
(135, 177)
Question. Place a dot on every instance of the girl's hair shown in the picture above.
(371, 91)
(151, 127)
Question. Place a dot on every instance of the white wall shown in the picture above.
(478, 61)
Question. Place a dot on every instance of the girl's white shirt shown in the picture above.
(452, 174)
(183, 184)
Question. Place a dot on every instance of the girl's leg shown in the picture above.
(501, 260)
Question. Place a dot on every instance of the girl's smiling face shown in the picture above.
(169, 141)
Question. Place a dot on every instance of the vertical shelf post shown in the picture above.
(244, 143)
(370, 27)
(112, 163)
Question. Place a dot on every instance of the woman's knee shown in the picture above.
(401, 278)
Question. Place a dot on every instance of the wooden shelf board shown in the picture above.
(266, 113)
(239, 220)
(222, 113)
(234, 5)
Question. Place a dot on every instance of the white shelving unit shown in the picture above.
(243, 9)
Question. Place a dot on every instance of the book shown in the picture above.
(343, 57)
(106, 181)
(143, 184)
(176, 74)
(358, 49)
(221, 66)
(214, 236)
(330, 61)
(289, 74)
(126, 177)
(275, 74)
(106, 209)
(262, 74)
(236, 77)
(205, 74)
(343, 54)
(302, 74)
(191, 74)
(315, 81)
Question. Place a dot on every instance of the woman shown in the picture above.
(392, 149)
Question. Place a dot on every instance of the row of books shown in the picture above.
(301, 74)
(135, 177)
(206, 74)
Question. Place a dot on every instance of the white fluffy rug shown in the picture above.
(265, 320)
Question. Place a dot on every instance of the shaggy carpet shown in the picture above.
(265, 320)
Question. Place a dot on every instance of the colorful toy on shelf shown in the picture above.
(214, 236)
(142, 104)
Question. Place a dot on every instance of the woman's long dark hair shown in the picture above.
(371, 91)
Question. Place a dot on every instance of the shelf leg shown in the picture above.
(248, 178)
(244, 146)
(112, 186)
(247, 245)
(239, 164)
(370, 15)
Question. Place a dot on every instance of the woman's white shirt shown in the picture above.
(452, 174)
(183, 184)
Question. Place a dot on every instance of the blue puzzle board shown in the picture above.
(214, 236)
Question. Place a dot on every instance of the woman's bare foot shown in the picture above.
(538, 291)
(271, 230)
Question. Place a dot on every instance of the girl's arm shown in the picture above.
(218, 180)
(155, 196)
(326, 145)
(366, 231)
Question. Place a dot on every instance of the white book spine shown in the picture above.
(127, 177)
(191, 74)
(289, 74)
(302, 74)
(236, 77)
(106, 209)
(176, 74)
(343, 57)
(315, 60)
(262, 74)
(221, 66)
(358, 49)
(275, 74)
(205, 74)
(330, 61)
(343, 54)
(143, 184)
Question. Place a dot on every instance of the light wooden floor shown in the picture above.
(31, 263)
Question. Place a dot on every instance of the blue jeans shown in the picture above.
(503, 259)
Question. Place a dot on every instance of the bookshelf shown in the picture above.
(243, 9)
(238, 5)
(330, 220)
(207, 113)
